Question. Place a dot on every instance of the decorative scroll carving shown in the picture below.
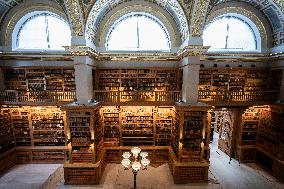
(74, 10)
(198, 17)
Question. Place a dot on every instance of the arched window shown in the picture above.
(138, 32)
(43, 30)
(229, 33)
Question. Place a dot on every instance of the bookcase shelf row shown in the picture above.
(37, 126)
(39, 79)
(238, 84)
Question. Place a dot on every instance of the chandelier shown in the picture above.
(136, 161)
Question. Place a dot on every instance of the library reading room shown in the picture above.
(143, 94)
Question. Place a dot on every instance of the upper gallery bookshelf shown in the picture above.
(238, 84)
(125, 85)
(38, 84)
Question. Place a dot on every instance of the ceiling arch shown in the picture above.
(272, 9)
(102, 7)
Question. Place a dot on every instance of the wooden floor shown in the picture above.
(222, 176)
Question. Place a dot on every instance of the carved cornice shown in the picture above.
(188, 51)
(82, 51)
(43, 56)
(138, 57)
(192, 50)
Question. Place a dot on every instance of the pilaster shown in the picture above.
(190, 80)
(83, 79)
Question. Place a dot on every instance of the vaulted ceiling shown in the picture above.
(272, 9)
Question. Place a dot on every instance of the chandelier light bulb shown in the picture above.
(126, 155)
(136, 166)
(144, 154)
(135, 151)
(145, 162)
(125, 162)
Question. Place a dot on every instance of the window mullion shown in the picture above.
(47, 32)
(138, 36)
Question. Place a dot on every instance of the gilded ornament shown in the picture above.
(198, 17)
(74, 10)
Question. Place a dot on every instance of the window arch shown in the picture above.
(41, 30)
(138, 32)
(230, 33)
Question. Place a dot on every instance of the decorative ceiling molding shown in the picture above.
(198, 17)
(280, 4)
(10, 3)
(272, 9)
(75, 16)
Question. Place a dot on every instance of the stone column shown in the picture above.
(2, 84)
(281, 92)
(83, 79)
(190, 79)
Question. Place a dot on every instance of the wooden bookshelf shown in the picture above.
(111, 125)
(128, 85)
(21, 124)
(262, 138)
(6, 131)
(15, 79)
(39, 79)
(163, 121)
(270, 136)
(48, 126)
(238, 84)
(137, 125)
(249, 127)
(80, 135)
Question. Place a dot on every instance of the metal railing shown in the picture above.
(37, 96)
(137, 96)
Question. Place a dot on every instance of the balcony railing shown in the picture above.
(137, 96)
(37, 96)
(237, 96)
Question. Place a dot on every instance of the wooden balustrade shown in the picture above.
(137, 96)
(237, 96)
(37, 96)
